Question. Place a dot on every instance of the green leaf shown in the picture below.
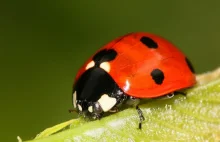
(195, 117)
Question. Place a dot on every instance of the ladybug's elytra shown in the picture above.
(131, 67)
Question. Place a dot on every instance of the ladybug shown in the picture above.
(132, 67)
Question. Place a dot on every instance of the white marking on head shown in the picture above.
(107, 102)
(90, 109)
(105, 66)
(74, 99)
(90, 65)
(127, 86)
(79, 107)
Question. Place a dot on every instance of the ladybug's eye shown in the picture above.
(97, 108)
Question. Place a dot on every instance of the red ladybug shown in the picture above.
(131, 67)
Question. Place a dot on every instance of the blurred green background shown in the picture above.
(43, 43)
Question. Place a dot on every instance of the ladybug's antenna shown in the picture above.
(72, 110)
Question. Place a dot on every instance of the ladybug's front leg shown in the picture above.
(114, 109)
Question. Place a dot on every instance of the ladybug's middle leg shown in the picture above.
(134, 102)
(141, 116)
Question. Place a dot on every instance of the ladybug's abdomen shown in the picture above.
(156, 81)
(149, 66)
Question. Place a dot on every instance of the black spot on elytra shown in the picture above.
(150, 43)
(158, 76)
(190, 65)
(104, 55)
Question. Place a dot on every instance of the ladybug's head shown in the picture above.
(95, 92)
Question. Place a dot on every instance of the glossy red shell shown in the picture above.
(132, 67)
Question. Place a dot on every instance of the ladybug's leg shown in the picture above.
(141, 116)
(171, 95)
(134, 102)
(175, 93)
(114, 109)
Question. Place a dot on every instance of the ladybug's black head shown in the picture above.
(95, 92)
